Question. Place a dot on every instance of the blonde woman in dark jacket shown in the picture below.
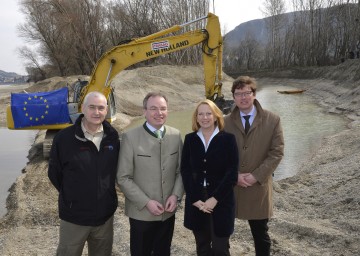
(209, 170)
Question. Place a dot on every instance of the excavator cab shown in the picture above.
(79, 87)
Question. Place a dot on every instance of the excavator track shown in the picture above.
(48, 140)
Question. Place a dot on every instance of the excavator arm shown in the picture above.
(157, 44)
(136, 50)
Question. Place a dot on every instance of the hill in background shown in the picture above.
(12, 78)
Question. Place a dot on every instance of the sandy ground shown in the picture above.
(317, 212)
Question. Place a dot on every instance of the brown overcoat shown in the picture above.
(261, 151)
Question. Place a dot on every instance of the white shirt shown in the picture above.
(200, 134)
(96, 138)
(252, 115)
(152, 129)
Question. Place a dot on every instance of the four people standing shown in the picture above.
(261, 150)
(82, 167)
(84, 157)
(149, 176)
(209, 170)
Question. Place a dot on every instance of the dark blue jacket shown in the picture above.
(84, 176)
(219, 166)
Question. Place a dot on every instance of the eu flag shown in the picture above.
(41, 108)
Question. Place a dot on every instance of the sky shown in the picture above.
(231, 13)
(10, 16)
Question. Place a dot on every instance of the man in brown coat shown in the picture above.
(261, 148)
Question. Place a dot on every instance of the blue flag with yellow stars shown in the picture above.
(41, 108)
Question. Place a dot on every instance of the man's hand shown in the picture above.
(246, 180)
(155, 208)
(250, 179)
(171, 203)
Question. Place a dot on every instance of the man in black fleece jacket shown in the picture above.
(82, 167)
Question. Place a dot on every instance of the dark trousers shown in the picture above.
(73, 238)
(208, 244)
(151, 237)
(259, 231)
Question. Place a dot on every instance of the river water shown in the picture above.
(303, 121)
(14, 148)
(304, 124)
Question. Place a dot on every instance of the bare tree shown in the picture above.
(274, 9)
(83, 24)
(250, 48)
(34, 68)
(73, 35)
(178, 12)
(41, 29)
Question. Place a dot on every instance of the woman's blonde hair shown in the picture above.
(218, 115)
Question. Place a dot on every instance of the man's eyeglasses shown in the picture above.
(243, 94)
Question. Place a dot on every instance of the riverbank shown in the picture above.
(317, 212)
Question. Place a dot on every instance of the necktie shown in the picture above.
(247, 123)
(158, 133)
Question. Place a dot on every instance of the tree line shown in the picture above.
(317, 33)
(66, 37)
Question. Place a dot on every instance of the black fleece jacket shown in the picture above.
(84, 176)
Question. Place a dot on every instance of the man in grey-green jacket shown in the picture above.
(149, 176)
(261, 148)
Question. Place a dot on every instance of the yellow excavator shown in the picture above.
(117, 59)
